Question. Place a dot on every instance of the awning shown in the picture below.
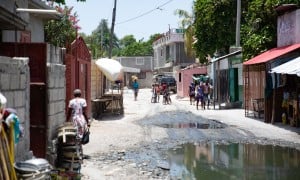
(291, 67)
(111, 68)
(272, 54)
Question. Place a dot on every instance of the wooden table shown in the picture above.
(108, 103)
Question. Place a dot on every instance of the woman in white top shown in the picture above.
(77, 110)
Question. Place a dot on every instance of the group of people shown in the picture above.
(157, 90)
(200, 93)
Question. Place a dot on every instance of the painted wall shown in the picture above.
(288, 28)
(186, 79)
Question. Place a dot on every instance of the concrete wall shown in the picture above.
(56, 94)
(14, 84)
(288, 28)
(186, 79)
(147, 82)
(144, 63)
(36, 28)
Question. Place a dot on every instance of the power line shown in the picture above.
(148, 12)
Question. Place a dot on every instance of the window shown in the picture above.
(142, 75)
(139, 61)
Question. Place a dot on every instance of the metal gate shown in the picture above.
(37, 54)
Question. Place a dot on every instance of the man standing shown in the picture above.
(192, 93)
(77, 111)
(135, 86)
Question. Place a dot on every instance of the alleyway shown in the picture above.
(129, 146)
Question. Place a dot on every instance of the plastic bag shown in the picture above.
(86, 137)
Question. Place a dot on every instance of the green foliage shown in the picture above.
(99, 40)
(214, 27)
(63, 31)
(187, 24)
(259, 31)
(130, 47)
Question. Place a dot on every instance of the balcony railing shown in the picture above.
(174, 35)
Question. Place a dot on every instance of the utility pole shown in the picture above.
(238, 24)
(112, 29)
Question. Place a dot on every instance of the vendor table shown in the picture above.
(108, 104)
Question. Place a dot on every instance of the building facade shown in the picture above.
(169, 53)
(140, 66)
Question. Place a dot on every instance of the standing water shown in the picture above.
(234, 161)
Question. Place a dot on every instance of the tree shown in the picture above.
(130, 47)
(100, 40)
(214, 27)
(187, 24)
(258, 33)
(63, 31)
(127, 40)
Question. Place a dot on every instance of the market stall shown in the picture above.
(287, 78)
(111, 102)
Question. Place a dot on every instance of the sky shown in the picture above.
(141, 18)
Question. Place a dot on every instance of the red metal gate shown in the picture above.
(37, 53)
(78, 71)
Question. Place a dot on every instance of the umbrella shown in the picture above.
(111, 68)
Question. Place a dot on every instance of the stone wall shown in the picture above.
(14, 85)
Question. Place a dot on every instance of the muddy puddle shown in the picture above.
(210, 125)
(234, 161)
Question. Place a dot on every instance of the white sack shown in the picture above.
(111, 68)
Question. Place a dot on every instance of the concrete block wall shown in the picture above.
(14, 85)
(147, 82)
(56, 98)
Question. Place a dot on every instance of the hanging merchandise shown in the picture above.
(7, 154)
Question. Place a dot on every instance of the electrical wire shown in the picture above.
(148, 12)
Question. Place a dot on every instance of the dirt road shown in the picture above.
(131, 146)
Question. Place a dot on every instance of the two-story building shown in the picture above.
(140, 66)
(169, 54)
(23, 20)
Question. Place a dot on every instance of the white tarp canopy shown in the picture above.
(111, 68)
(291, 67)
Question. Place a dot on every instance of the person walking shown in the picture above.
(199, 95)
(77, 113)
(135, 86)
(157, 91)
(192, 93)
(206, 94)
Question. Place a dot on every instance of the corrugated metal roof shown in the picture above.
(291, 67)
(272, 54)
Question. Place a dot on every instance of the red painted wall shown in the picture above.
(186, 79)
